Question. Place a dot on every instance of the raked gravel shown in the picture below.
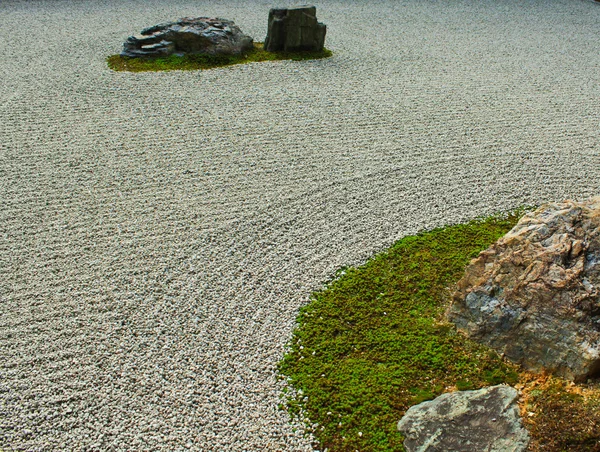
(159, 231)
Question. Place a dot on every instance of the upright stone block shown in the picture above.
(294, 29)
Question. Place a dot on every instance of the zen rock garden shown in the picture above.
(289, 30)
(533, 297)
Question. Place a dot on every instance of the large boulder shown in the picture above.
(294, 29)
(534, 295)
(466, 421)
(189, 36)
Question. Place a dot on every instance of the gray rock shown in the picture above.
(486, 420)
(534, 295)
(294, 29)
(189, 36)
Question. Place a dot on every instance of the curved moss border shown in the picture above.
(374, 342)
(202, 62)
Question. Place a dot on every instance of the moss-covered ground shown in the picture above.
(373, 343)
(200, 62)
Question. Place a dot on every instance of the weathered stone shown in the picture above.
(534, 295)
(188, 36)
(466, 421)
(294, 29)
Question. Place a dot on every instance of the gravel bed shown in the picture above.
(159, 231)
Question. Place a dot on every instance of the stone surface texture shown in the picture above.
(486, 420)
(188, 36)
(160, 230)
(294, 29)
(534, 294)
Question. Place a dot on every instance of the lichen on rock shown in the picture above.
(534, 295)
(466, 421)
(189, 36)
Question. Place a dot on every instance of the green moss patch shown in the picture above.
(372, 343)
(200, 62)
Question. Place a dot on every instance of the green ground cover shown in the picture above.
(200, 62)
(373, 342)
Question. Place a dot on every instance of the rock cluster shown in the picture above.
(466, 421)
(534, 295)
(188, 36)
(294, 29)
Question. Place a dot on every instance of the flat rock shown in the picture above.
(533, 295)
(294, 29)
(189, 36)
(486, 420)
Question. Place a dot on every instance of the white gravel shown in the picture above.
(158, 231)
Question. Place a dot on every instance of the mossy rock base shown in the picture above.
(203, 62)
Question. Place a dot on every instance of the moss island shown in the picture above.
(374, 342)
(204, 61)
